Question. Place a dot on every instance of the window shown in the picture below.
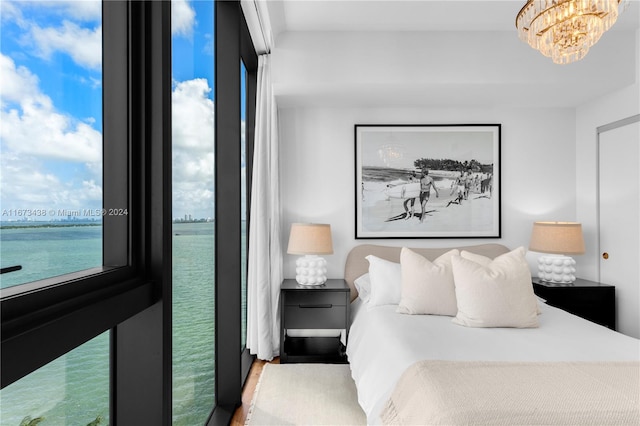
(193, 212)
(50, 139)
(51, 196)
(210, 201)
(73, 389)
(49, 321)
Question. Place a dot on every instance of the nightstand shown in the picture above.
(587, 299)
(313, 307)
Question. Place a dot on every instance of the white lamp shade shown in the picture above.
(310, 238)
(557, 238)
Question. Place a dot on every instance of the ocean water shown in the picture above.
(193, 322)
(71, 390)
(74, 389)
(48, 251)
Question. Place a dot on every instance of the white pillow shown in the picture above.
(485, 261)
(386, 281)
(499, 294)
(427, 287)
(363, 286)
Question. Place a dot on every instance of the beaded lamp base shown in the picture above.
(311, 270)
(557, 269)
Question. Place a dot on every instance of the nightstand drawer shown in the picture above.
(315, 298)
(321, 316)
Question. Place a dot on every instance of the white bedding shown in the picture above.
(383, 343)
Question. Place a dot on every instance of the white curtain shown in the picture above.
(265, 255)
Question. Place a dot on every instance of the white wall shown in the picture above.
(317, 169)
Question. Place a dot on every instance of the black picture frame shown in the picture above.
(427, 181)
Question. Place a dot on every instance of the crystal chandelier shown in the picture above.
(565, 29)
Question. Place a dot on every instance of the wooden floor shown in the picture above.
(240, 416)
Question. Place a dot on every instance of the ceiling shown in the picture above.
(412, 15)
(294, 22)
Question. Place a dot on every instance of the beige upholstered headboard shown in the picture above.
(357, 265)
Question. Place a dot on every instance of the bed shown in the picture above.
(425, 369)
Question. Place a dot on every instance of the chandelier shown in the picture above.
(565, 29)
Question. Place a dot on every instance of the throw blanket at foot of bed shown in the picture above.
(516, 393)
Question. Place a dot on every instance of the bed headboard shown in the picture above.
(357, 265)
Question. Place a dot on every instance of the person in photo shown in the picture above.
(412, 201)
(426, 183)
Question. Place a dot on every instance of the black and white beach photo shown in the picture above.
(427, 181)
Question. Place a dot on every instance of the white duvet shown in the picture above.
(383, 343)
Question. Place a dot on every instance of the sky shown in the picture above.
(51, 107)
(399, 147)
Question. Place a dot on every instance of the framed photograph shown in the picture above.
(427, 181)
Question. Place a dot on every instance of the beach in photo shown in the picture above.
(446, 212)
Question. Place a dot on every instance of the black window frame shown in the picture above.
(233, 44)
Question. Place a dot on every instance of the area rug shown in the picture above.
(305, 394)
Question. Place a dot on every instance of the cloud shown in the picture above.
(24, 185)
(183, 18)
(36, 138)
(27, 185)
(193, 115)
(31, 125)
(91, 190)
(83, 45)
(78, 34)
(193, 149)
(208, 48)
(17, 83)
(9, 11)
(81, 10)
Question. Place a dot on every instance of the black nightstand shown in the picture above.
(587, 299)
(313, 307)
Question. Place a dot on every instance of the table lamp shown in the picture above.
(310, 240)
(558, 239)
